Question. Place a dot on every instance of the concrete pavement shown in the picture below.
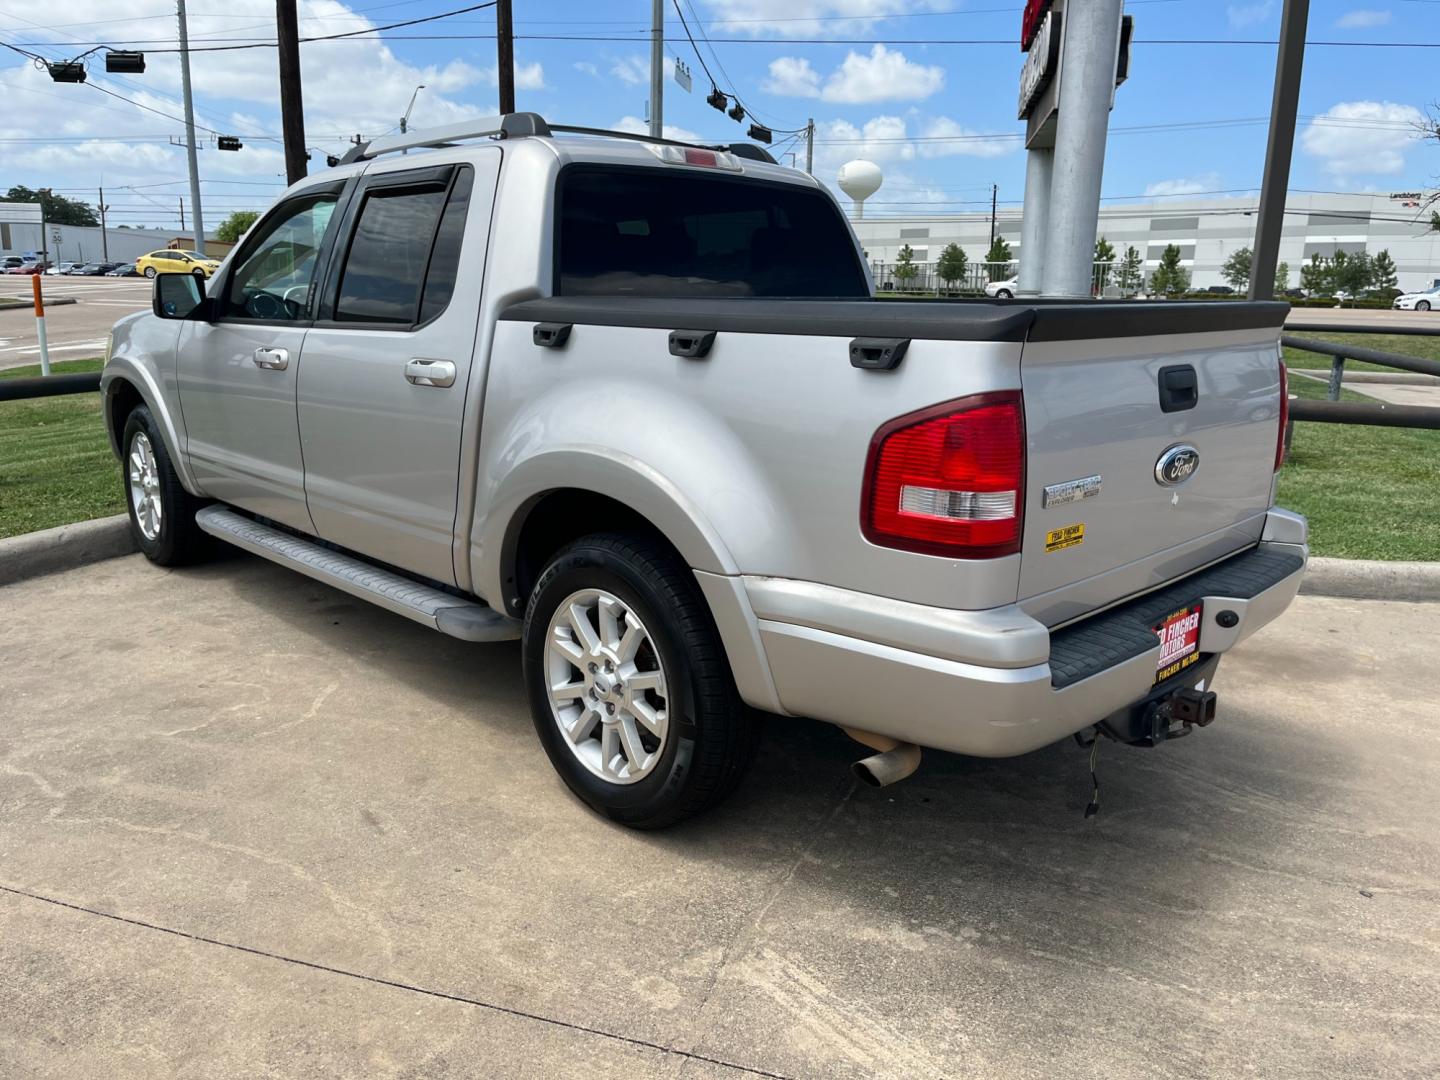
(1380, 319)
(74, 331)
(250, 826)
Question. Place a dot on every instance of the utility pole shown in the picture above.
(657, 68)
(810, 146)
(104, 236)
(1288, 66)
(292, 104)
(181, 200)
(1087, 89)
(994, 202)
(44, 229)
(195, 214)
(505, 56)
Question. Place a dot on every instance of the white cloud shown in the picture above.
(962, 141)
(792, 76)
(1363, 138)
(1186, 185)
(632, 70)
(1241, 15)
(636, 126)
(887, 140)
(527, 76)
(1363, 19)
(812, 18)
(882, 75)
(587, 68)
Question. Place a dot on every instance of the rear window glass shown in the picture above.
(385, 269)
(676, 232)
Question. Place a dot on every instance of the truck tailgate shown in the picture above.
(1093, 413)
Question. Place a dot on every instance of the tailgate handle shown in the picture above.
(551, 335)
(878, 354)
(1179, 388)
(691, 344)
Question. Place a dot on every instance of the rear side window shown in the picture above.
(677, 232)
(404, 254)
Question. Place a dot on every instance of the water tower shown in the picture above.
(860, 179)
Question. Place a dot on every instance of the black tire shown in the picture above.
(711, 736)
(180, 540)
(199, 273)
(150, 271)
(1423, 305)
(1004, 294)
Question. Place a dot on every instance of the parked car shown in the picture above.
(60, 268)
(1002, 290)
(176, 262)
(11, 262)
(123, 270)
(570, 391)
(1220, 290)
(93, 269)
(29, 268)
(1428, 300)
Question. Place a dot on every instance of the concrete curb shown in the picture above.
(30, 307)
(1397, 378)
(64, 548)
(1360, 579)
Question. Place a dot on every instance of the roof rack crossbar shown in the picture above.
(744, 150)
(509, 126)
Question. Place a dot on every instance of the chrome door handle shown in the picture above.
(272, 359)
(430, 372)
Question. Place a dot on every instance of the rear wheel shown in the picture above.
(630, 691)
(162, 512)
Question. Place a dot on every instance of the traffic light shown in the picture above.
(71, 71)
(125, 62)
(761, 134)
(717, 100)
(228, 142)
(737, 113)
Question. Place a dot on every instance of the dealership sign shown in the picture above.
(1042, 62)
(1034, 14)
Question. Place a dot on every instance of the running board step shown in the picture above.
(468, 620)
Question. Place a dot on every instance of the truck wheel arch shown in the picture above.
(125, 385)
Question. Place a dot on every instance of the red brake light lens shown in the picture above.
(700, 157)
(949, 480)
(1284, 417)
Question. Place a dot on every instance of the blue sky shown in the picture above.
(939, 118)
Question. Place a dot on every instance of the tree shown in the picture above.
(952, 265)
(1317, 277)
(905, 268)
(1386, 276)
(1353, 272)
(998, 258)
(1132, 272)
(1236, 270)
(58, 209)
(1282, 277)
(234, 226)
(1170, 277)
(1104, 263)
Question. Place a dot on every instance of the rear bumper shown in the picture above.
(997, 683)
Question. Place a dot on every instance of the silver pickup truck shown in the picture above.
(634, 403)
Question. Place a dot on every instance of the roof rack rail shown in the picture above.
(509, 126)
(517, 125)
(742, 150)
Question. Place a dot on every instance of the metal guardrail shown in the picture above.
(49, 386)
(1377, 414)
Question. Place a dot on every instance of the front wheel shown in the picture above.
(1004, 294)
(199, 273)
(150, 271)
(630, 690)
(162, 512)
(1423, 305)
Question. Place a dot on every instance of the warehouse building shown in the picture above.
(1207, 231)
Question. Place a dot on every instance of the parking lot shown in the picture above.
(74, 331)
(250, 826)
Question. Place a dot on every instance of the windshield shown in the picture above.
(673, 232)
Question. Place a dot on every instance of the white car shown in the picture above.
(60, 268)
(1002, 290)
(1419, 301)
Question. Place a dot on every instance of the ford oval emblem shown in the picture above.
(1176, 465)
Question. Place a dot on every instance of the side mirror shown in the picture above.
(177, 296)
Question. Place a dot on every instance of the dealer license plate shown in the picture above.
(1179, 642)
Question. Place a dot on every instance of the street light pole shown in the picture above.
(405, 120)
(195, 216)
(657, 66)
(1281, 147)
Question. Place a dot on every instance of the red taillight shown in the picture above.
(949, 480)
(699, 157)
(1284, 417)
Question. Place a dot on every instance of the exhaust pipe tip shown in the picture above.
(890, 767)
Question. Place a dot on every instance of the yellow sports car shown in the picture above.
(176, 262)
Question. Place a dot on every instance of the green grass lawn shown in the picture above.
(55, 461)
(1427, 348)
(1366, 490)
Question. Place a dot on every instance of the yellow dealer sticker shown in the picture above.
(1068, 537)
